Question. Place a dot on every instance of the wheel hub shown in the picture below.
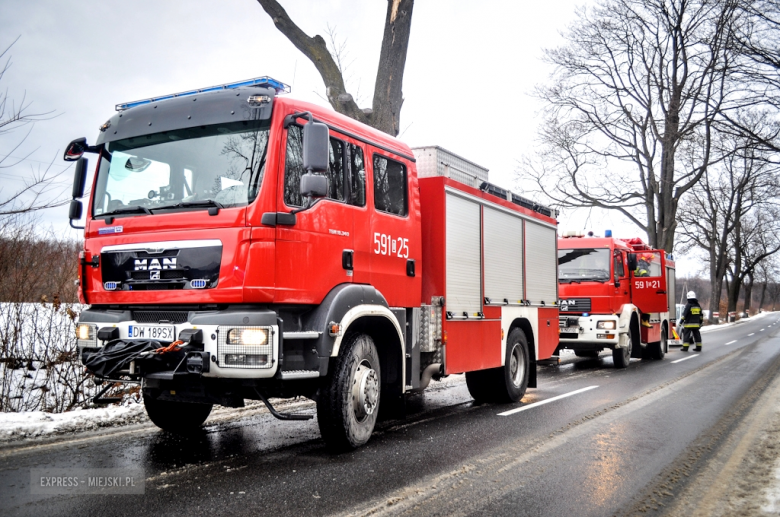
(517, 366)
(365, 391)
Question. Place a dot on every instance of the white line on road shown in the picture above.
(685, 358)
(762, 330)
(730, 342)
(752, 334)
(529, 406)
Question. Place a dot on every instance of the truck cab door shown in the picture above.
(648, 282)
(316, 253)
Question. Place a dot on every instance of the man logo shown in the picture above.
(154, 275)
(149, 265)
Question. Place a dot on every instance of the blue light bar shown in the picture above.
(279, 86)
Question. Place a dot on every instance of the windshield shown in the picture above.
(220, 165)
(583, 265)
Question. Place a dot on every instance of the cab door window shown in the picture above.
(389, 186)
(356, 171)
(619, 270)
(293, 168)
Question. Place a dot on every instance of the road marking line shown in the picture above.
(752, 334)
(559, 397)
(762, 330)
(685, 358)
(730, 342)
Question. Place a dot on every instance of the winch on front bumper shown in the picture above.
(228, 344)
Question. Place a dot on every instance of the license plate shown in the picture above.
(163, 333)
(570, 330)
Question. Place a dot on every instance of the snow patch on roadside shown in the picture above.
(34, 424)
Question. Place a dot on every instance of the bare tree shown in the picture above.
(712, 213)
(756, 238)
(632, 108)
(385, 112)
(41, 189)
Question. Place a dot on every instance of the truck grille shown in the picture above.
(574, 305)
(158, 316)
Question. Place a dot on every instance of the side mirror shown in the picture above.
(75, 149)
(315, 147)
(314, 185)
(79, 179)
(75, 210)
(632, 262)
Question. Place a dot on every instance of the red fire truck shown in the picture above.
(240, 244)
(614, 294)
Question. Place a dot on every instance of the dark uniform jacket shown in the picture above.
(692, 315)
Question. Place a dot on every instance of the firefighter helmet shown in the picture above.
(691, 295)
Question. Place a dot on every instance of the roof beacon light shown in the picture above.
(607, 233)
(265, 81)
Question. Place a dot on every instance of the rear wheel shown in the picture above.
(348, 403)
(622, 356)
(658, 349)
(176, 417)
(506, 383)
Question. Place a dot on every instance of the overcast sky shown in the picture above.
(469, 73)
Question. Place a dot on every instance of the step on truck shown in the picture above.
(615, 294)
(240, 244)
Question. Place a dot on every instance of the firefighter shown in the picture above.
(691, 321)
(643, 267)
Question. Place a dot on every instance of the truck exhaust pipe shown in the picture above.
(428, 373)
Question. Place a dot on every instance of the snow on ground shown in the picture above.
(34, 424)
(710, 328)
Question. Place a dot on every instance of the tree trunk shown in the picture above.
(388, 97)
(385, 114)
(761, 299)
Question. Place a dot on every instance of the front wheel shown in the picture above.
(506, 383)
(348, 403)
(622, 356)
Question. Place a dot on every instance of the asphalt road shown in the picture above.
(602, 448)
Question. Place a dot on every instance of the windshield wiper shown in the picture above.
(129, 209)
(187, 204)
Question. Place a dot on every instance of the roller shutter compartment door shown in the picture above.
(464, 280)
(541, 264)
(503, 256)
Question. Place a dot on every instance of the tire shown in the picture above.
(622, 356)
(657, 350)
(348, 403)
(587, 353)
(506, 383)
(176, 417)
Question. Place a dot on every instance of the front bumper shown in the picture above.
(582, 332)
(226, 360)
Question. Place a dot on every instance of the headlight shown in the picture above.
(247, 337)
(85, 334)
(605, 325)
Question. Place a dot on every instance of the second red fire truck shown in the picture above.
(239, 244)
(615, 294)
